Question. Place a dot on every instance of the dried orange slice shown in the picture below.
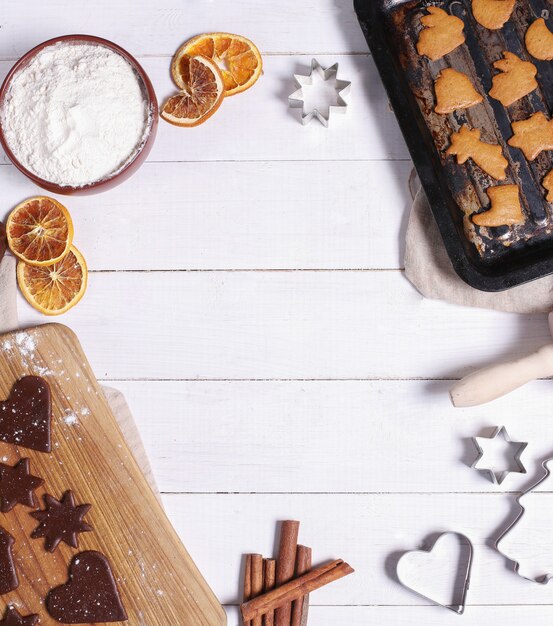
(203, 92)
(40, 231)
(55, 289)
(238, 59)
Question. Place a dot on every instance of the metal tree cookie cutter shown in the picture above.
(497, 476)
(545, 576)
(463, 569)
(334, 103)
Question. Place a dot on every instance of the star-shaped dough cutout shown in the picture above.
(61, 520)
(12, 617)
(17, 486)
(511, 452)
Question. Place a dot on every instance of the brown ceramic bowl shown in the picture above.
(138, 159)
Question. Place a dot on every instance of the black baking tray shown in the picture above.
(487, 259)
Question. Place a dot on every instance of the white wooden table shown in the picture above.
(247, 295)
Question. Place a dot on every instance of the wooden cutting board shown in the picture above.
(159, 584)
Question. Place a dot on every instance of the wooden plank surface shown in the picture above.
(152, 28)
(265, 194)
(157, 580)
(428, 615)
(369, 531)
(265, 325)
(276, 228)
(368, 131)
(288, 431)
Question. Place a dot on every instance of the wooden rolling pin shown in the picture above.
(498, 380)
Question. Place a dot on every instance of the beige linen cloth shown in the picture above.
(115, 399)
(428, 268)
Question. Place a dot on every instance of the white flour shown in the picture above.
(76, 114)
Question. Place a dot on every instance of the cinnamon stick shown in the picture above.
(303, 565)
(248, 582)
(286, 565)
(295, 589)
(269, 571)
(257, 583)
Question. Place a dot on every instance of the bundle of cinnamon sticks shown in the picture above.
(276, 592)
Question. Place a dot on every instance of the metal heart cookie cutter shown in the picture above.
(461, 573)
(335, 103)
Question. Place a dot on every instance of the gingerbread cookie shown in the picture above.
(90, 595)
(539, 41)
(454, 90)
(18, 486)
(517, 79)
(492, 14)
(466, 144)
(61, 520)
(9, 580)
(505, 208)
(548, 184)
(533, 135)
(12, 617)
(26, 415)
(3, 241)
(442, 33)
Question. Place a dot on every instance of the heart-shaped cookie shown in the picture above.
(3, 241)
(440, 573)
(25, 417)
(90, 596)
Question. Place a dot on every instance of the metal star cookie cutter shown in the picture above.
(497, 476)
(297, 99)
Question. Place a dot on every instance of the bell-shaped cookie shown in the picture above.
(454, 90)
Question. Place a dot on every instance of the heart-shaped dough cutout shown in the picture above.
(90, 596)
(440, 573)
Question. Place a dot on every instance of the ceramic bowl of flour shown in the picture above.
(78, 115)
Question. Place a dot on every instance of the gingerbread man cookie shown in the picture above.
(466, 144)
(454, 90)
(492, 14)
(517, 79)
(533, 135)
(442, 33)
(539, 41)
(505, 208)
(548, 184)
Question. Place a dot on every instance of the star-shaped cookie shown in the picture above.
(533, 135)
(548, 184)
(17, 486)
(61, 520)
(12, 617)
